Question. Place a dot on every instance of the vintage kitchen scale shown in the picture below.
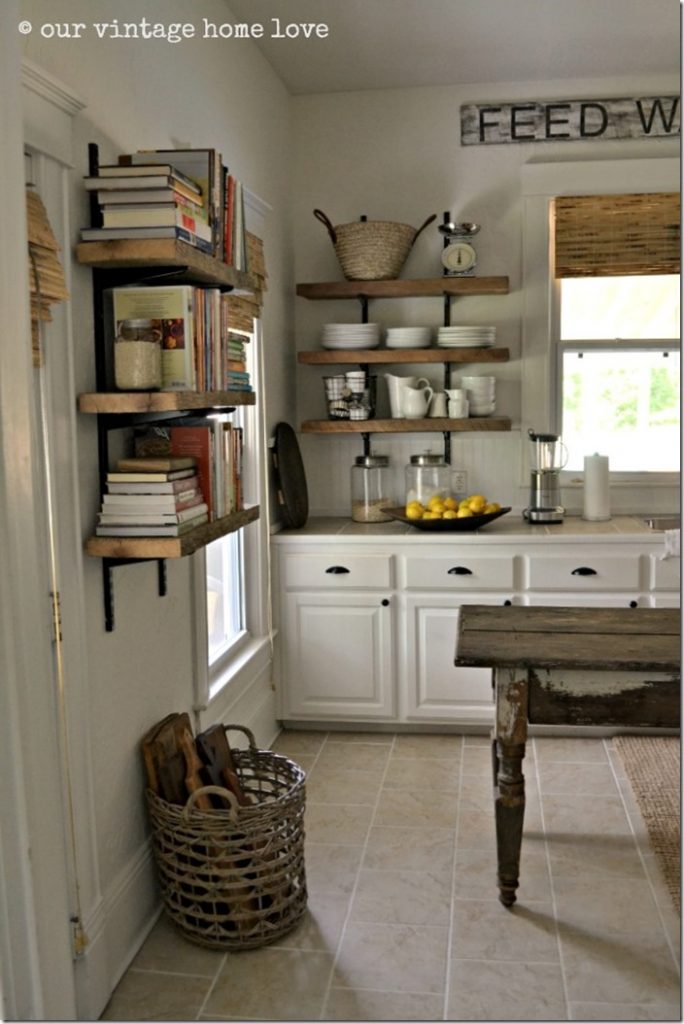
(459, 258)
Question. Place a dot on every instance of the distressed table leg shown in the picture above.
(511, 733)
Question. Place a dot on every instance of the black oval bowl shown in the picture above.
(446, 525)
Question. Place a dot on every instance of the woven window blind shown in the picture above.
(244, 307)
(46, 276)
(614, 235)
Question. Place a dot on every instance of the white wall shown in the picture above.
(396, 155)
(151, 94)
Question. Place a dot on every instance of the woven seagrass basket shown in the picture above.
(372, 250)
(234, 879)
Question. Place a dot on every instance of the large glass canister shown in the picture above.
(138, 355)
(371, 489)
(427, 476)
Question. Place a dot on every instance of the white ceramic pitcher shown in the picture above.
(396, 387)
(416, 402)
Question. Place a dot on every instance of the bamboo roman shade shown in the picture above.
(243, 307)
(614, 235)
(46, 276)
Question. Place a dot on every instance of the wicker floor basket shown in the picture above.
(235, 879)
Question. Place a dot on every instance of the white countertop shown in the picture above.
(511, 527)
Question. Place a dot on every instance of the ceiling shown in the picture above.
(389, 44)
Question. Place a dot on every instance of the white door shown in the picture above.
(338, 659)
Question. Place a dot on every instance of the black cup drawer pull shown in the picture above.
(338, 570)
(460, 570)
(584, 570)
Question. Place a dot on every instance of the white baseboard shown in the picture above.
(116, 929)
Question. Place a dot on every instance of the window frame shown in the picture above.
(540, 386)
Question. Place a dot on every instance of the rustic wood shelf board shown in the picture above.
(404, 289)
(170, 547)
(406, 355)
(160, 401)
(164, 252)
(398, 426)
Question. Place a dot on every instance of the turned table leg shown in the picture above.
(511, 733)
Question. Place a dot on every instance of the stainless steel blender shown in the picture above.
(549, 455)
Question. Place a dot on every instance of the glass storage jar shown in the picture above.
(427, 476)
(371, 490)
(138, 355)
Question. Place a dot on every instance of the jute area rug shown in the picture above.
(652, 765)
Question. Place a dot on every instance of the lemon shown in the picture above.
(432, 515)
(450, 504)
(477, 503)
(463, 513)
(435, 502)
(464, 503)
(415, 511)
(438, 508)
(450, 514)
(493, 506)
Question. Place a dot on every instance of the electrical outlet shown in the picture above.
(459, 481)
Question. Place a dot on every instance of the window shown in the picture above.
(617, 351)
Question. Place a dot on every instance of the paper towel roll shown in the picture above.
(596, 488)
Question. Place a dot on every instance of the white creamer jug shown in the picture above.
(416, 402)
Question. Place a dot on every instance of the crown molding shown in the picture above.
(50, 88)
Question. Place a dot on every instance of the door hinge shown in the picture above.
(79, 939)
(56, 616)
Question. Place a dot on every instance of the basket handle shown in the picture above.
(319, 215)
(218, 791)
(423, 226)
(248, 733)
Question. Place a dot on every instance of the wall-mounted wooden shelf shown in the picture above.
(400, 426)
(170, 547)
(405, 355)
(428, 287)
(114, 402)
(157, 254)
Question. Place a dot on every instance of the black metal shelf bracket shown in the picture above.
(108, 566)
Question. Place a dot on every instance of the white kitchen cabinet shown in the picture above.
(345, 656)
(338, 656)
(434, 688)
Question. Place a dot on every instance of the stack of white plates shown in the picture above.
(466, 337)
(409, 337)
(351, 336)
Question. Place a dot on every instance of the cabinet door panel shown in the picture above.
(435, 688)
(338, 656)
(666, 573)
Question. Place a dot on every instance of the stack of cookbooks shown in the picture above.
(152, 497)
(236, 372)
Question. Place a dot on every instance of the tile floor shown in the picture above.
(404, 921)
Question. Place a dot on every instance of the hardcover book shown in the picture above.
(168, 530)
(171, 308)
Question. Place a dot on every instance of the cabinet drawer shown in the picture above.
(337, 571)
(459, 572)
(582, 572)
(666, 574)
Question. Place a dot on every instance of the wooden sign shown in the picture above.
(569, 120)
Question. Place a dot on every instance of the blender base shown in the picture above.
(544, 515)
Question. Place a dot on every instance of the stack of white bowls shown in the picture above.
(350, 336)
(409, 337)
(481, 393)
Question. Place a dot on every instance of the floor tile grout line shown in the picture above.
(450, 934)
(554, 906)
(666, 931)
(224, 959)
(212, 986)
(343, 930)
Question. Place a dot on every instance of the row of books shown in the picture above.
(200, 349)
(167, 495)
(172, 193)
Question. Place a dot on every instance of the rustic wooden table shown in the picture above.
(565, 666)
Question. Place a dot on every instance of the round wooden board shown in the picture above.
(292, 494)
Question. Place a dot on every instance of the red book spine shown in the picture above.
(197, 441)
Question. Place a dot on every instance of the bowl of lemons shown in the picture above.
(449, 513)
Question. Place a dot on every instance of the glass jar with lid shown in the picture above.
(371, 489)
(138, 355)
(427, 476)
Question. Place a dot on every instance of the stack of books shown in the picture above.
(200, 349)
(172, 193)
(236, 375)
(152, 497)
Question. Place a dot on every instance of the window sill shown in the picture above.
(251, 658)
